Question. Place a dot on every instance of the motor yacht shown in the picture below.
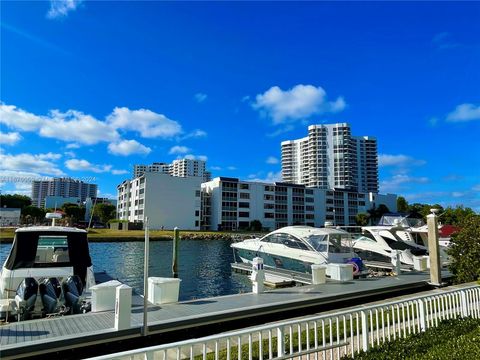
(48, 270)
(395, 232)
(296, 248)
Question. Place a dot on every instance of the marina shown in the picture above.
(93, 333)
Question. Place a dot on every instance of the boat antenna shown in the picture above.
(91, 214)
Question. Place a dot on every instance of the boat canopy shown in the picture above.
(68, 248)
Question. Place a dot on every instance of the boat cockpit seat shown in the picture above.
(61, 257)
(25, 297)
(72, 292)
(50, 293)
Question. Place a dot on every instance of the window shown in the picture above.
(244, 186)
(268, 197)
(52, 249)
(244, 205)
(197, 213)
(243, 214)
(244, 196)
(197, 193)
(269, 206)
(269, 216)
(269, 188)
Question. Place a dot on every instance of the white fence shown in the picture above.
(328, 336)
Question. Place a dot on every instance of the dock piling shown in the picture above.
(433, 248)
(176, 243)
(145, 279)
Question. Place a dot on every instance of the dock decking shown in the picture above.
(37, 337)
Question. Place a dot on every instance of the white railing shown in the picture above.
(328, 336)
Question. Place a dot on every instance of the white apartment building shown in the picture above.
(179, 167)
(161, 167)
(61, 187)
(331, 158)
(231, 204)
(168, 201)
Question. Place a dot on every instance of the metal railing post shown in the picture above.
(464, 302)
(421, 315)
(280, 341)
(364, 317)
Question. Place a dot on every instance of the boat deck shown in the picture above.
(95, 331)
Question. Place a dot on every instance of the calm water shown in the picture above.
(204, 265)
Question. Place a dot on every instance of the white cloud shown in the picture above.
(72, 146)
(398, 160)
(197, 133)
(299, 102)
(70, 154)
(397, 182)
(39, 163)
(200, 97)
(128, 147)
(9, 138)
(119, 172)
(464, 112)
(61, 8)
(84, 165)
(76, 126)
(148, 123)
(196, 157)
(179, 150)
(69, 126)
(272, 160)
(16, 118)
(231, 168)
(270, 178)
(216, 168)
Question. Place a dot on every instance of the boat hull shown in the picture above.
(275, 261)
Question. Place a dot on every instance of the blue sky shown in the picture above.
(90, 88)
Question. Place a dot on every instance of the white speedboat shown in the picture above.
(395, 232)
(48, 271)
(296, 248)
(379, 243)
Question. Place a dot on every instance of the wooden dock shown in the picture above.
(79, 336)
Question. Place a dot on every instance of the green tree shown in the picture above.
(362, 219)
(15, 201)
(33, 214)
(73, 212)
(454, 216)
(402, 204)
(104, 212)
(465, 250)
(255, 225)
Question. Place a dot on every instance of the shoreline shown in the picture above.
(141, 238)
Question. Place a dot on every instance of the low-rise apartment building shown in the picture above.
(233, 204)
(168, 201)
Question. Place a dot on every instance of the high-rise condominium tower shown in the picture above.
(330, 157)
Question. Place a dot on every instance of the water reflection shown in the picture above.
(204, 265)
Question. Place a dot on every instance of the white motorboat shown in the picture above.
(296, 248)
(378, 243)
(395, 232)
(48, 270)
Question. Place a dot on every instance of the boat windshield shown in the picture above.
(340, 243)
(318, 242)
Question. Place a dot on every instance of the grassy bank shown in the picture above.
(452, 339)
(106, 235)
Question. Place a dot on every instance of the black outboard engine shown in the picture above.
(72, 291)
(25, 298)
(50, 293)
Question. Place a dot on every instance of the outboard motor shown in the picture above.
(50, 293)
(25, 298)
(72, 291)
